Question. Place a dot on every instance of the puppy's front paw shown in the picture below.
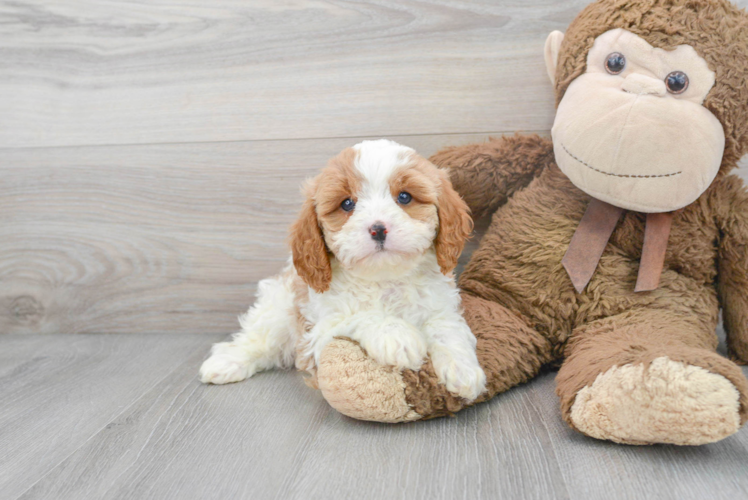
(461, 375)
(398, 344)
(224, 367)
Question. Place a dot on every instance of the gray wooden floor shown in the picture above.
(123, 416)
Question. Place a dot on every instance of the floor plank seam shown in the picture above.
(153, 431)
(305, 448)
(547, 430)
(118, 415)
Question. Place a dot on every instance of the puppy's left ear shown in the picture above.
(455, 225)
(310, 257)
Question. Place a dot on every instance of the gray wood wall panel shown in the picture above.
(150, 238)
(108, 72)
(151, 153)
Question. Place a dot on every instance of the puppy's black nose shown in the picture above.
(378, 232)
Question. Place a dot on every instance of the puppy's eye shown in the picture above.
(404, 198)
(676, 82)
(348, 205)
(615, 63)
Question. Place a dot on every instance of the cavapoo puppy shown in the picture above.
(372, 258)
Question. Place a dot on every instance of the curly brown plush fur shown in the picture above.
(520, 302)
(524, 311)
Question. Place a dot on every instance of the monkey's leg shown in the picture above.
(509, 351)
(642, 377)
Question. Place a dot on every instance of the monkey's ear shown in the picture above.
(552, 49)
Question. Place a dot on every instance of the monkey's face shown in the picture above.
(632, 130)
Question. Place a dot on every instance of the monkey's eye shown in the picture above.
(348, 205)
(615, 63)
(404, 198)
(676, 82)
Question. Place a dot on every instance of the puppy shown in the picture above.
(372, 258)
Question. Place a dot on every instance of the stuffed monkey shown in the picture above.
(613, 246)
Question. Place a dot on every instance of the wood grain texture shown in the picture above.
(111, 72)
(59, 391)
(150, 159)
(601, 469)
(187, 440)
(272, 437)
(174, 233)
(144, 239)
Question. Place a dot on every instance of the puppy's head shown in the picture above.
(376, 207)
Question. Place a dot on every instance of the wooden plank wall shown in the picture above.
(151, 153)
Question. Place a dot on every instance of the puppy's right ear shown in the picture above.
(310, 256)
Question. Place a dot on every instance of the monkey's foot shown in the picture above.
(359, 387)
(667, 402)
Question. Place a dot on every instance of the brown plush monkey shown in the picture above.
(652, 116)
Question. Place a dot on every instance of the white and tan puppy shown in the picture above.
(372, 258)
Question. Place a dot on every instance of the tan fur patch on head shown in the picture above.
(455, 223)
(418, 179)
(337, 182)
(430, 187)
(321, 211)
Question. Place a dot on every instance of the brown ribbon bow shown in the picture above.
(592, 236)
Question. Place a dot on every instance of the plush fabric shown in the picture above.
(363, 389)
(655, 349)
(715, 28)
(668, 402)
(602, 135)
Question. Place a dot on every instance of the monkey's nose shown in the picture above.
(378, 232)
(640, 84)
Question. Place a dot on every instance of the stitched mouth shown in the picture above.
(634, 176)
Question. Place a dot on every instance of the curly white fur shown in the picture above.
(392, 298)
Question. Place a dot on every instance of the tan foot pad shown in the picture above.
(359, 387)
(670, 402)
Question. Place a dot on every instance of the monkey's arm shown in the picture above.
(733, 268)
(487, 174)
